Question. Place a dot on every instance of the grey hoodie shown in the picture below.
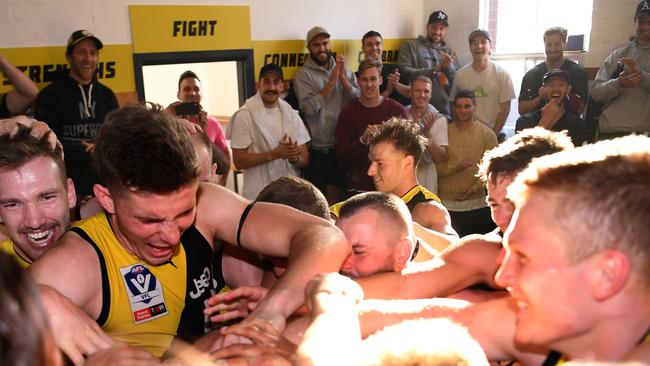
(321, 114)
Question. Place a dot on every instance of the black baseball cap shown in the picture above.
(80, 35)
(642, 9)
(557, 73)
(271, 68)
(439, 16)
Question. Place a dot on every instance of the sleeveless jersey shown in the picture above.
(146, 305)
(7, 246)
(414, 196)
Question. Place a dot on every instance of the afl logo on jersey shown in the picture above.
(144, 292)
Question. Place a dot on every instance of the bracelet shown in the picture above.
(294, 160)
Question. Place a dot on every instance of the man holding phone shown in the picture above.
(269, 140)
(623, 83)
(189, 107)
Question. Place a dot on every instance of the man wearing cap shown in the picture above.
(74, 106)
(554, 116)
(268, 138)
(431, 56)
(533, 94)
(324, 86)
(490, 83)
(623, 83)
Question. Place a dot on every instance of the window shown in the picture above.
(517, 26)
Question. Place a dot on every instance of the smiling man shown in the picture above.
(35, 195)
(354, 125)
(554, 116)
(75, 105)
(268, 138)
(490, 83)
(323, 87)
(576, 263)
(533, 92)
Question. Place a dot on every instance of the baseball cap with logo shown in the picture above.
(642, 9)
(317, 31)
(439, 16)
(271, 68)
(80, 35)
(557, 73)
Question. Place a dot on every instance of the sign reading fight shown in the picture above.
(189, 28)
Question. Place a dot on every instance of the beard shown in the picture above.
(318, 61)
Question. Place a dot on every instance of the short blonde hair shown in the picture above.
(601, 196)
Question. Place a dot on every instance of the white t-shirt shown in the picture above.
(491, 86)
(426, 172)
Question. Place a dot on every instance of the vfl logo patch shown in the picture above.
(144, 292)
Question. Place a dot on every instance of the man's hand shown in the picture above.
(233, 304)
(445, 60)
(466, 195)
(542, 93)
(630, 63)
(551, 113)
(428, 119)
(75, 333)
(266, 341)
(370, 129)
(268, 348)
(326, 290)
(629, 80)
(123, 355)
(38, 129)
(466, 164)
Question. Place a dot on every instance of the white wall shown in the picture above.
(28, 23)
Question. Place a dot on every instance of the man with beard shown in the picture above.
(324, 86)
(268, 138)
(35, 195)
(430, 56)
(74, 106)
(533, 93)
(623, 83)
(554, 116)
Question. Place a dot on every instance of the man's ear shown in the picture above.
(105, 198)
(403, 251)
(608, 274)
(72, 193)
(409, 161)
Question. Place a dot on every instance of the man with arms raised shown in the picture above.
(142, 267)
(576, 276)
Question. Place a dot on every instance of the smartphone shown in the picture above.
(188, 109)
